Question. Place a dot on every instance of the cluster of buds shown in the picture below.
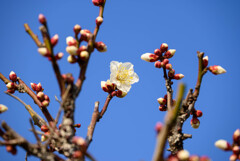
(11, 86)
(44, 129)
(235, 147)
(183, 155)
(195, 123)
(163, 103)
(111, 88)
(43, 98)
(3, 108)
(68, 78)
(215, 69)
(161, 58)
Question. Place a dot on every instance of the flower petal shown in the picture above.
(114, 66)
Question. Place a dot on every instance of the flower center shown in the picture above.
(123, 74)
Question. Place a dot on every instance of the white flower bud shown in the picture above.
(72, 50)
(3, 108)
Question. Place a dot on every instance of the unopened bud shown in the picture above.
(71, 59)
(236, 136)
(162, 101)
(77, 154)
(104, 87)
(11, 149)
(171, 73)
(44, 137)
(45, 103)
(44, 128)
(199, 113)
(40, 96)
(162, 108)
(13, 76)
(205, 61)
(100, 46)
(158, 127)
(54, 40)
(169, 66)
(183, 155)
(165, 61)
(216, 69)
(39, 87)
(164, 47)
(99, 20)
(236, 149)
(10, 85)
(43, 51)
(111, 86)
(77, 28)
(11, 91)
(85, 34)
(205, 158)
(233, 157)
(72, 50)
(46, 98)
(80, 142)
(98, 2)
(178, 76)
(121, 94)
(149, 57)
(82, 48)
(59, 56)
(194, 158)
(169, 53)
(77, 125)
(158, 64)
(84, 55)
(223, 144)
(195, 123)
(42, 19)
(3, 108)
(158, 52)
(71, 41)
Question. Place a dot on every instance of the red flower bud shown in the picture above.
(54, 40)
(77, 28)
(34, 86)
(59, 56)
(98, 2)
(178, 76)
(236, 149)
(158, 64)
(11, 91)
(40, 96)
(13, 76)
(162, 101)
(194, 158)
(121, 94)
(158, 52)
(149, 57)
(42, 19)
(158, 127)
(195, 123)
(171, 73)
(216, 69)
(11, 149)
(164, 47)
(44, 128)
(205, 158)
(236, 136)
(77, 154)
(165, 61)
(77, 125)
(169, 53)
(71, 41)
(205, 61)
(199, 113)
(99, 20)
(45, 103)
(169, 66)
(10, 85)
(162, 108)
(100, 46)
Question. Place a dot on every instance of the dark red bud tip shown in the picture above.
(199, 113)
(11, 91)
(158, 52)
(162, 108)
(42, 19)
(44, 128)
(98, 2)
(77, 125)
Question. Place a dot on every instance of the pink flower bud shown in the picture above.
(44, 128)
(165, 61)
(46, 98)
(40, 96)
(205, 158)
(77, 154)
(3, 108)
(164, 47)
(162, 108)
(183, 155)
(104, 87)
(205, 61)
(34, 86)
(171, 73)
(43, 51)
(162, 101)
(195, 123)
(72, 50)
(99, 20)
(216, 69)
(233, 157)
(71, 59)
(199, 113)
(223, 144)
(80, 142)
(236, 149)
(84, 55)
(121, 94)
(71, 41)
(59, 56)
(172, 158)
(54, 40)
(45, 103)
(10, 85)
(98, 2)
(77, 28)
(169, 53)
(149, 57)
(178, 76)
(42, 19)
(236, 136)
(194, 158)
(158, 52)
(82, 48)
(11, 91)
(13, 76)
(169, 66)
(158, 127)
(11, 149)
(39, 87)
(85, 34)
(100, 46)
(158, 64)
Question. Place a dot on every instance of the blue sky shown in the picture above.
(130, 29)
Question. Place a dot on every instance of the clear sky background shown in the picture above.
(130, 28)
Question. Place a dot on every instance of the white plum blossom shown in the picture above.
(123, 75)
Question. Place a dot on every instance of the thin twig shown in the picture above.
(26, 156)
(33, 36)
(34, 132)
